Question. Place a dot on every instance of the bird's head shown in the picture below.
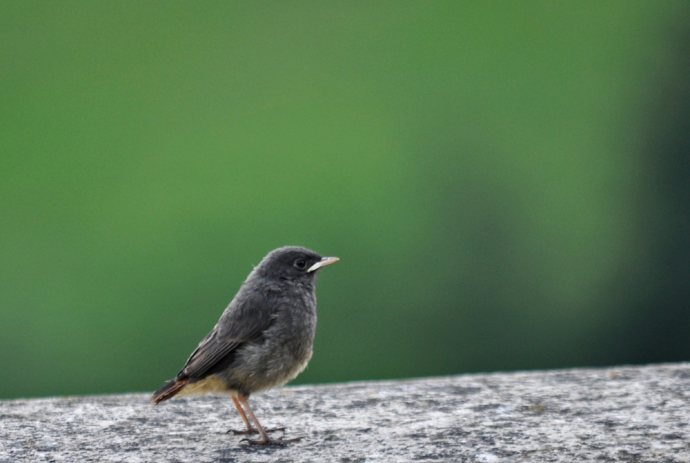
(293, 263)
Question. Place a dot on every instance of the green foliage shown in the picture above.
(474, 166)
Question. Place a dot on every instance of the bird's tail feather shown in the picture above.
(169, 390)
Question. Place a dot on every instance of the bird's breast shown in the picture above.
(284, 349)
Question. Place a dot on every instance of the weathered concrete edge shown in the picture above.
(623, 413)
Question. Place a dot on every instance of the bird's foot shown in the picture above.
(279, 442)
(246, 432)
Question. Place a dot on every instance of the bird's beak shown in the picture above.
(322, 263)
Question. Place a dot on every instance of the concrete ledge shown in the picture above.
(631, 414)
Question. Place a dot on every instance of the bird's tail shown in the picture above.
(169, 390)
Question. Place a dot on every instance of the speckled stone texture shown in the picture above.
(630, 414)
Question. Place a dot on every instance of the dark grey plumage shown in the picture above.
(263, 339)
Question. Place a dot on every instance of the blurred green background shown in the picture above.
(506, 184)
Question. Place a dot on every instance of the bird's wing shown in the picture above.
(245, 319)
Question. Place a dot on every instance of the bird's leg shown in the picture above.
(250, 429)
(264, 437)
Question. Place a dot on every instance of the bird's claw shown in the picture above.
(243, 432)
(252, 431)
(279, 442)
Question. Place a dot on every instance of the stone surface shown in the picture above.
(630, 414)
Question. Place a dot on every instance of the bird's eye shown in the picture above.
(301, 264)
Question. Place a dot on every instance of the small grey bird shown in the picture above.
(263, 339)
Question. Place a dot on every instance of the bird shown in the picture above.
(263, 339)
